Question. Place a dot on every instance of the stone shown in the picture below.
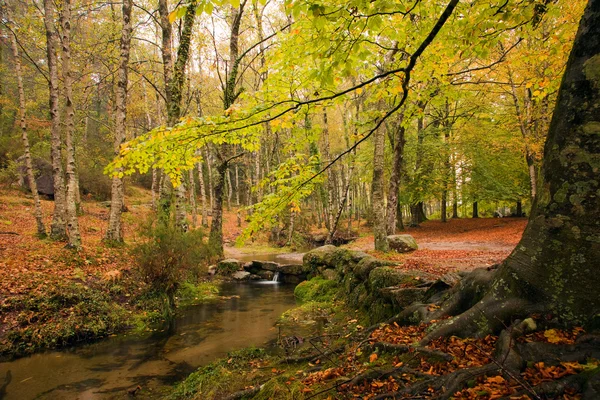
(241, 275)
(319, 257)
(212, 270)
(364, 267)
(403, 297)
(266, 265)
(330, 274)
(402, 243)
(382, 277)
(264, 274)
(290, 278)
(228, 266)
(254, 277)
(292, 269)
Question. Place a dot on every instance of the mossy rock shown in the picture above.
(317, 289)
(357, 297)
(228, 266)
(382, 277)
(402, 243)
(367, 264)
(321, 256)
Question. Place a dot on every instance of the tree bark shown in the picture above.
(58, 228)
(377, 194)
(230, 94)
(553, 269)
(475, 210)
(114, 233)
(39, 217)
(72, 186)
(394, 187)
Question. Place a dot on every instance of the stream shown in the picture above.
(108, 368)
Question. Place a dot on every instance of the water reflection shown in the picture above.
(109, 368)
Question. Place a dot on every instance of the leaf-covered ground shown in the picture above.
(459, 244)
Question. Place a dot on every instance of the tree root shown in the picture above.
(312, 356)
(450, 383)
(401, 349)
(244, 393)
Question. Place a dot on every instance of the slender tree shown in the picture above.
(115, 232)
(58, 228)
(39, 217)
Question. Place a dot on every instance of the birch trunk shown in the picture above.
(39, 217)
(58, 228)
(71, 200)
(377, 194)
(114, 232)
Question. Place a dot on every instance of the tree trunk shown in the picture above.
(39, 217)
(229, 96)
(193, 205)
(475, 210)
(114, 233)
(58, 228)
(377, 195)
(72, 186)
(215, 239)
(553, 269)
(519, 212)
(202, 194)
(394, 187)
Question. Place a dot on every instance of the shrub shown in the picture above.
(170, 255)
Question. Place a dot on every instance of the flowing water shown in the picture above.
(107, 369)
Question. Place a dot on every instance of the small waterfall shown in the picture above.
(275, 277)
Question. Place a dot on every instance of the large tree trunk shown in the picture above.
(174, 78)
(377, 195)
(394, 187)
(58, 228)
(39, 217)
(72, 185)
(553, 269)
(114, 233)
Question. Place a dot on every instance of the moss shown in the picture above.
(382, 277)
(316, 289)
(591, 69)
(223, 375)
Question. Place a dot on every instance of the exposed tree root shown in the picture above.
(401, 349)
(312, 356)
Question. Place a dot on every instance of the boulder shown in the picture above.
(292, 269)
(321, 256)
(266, 265)
(228, 266)
(383, 277)
(330, 274)
(241, 275)
(290, 278)
(368, 263)
(402, 243)
(403, 297)
(254, 277)
(266, 275)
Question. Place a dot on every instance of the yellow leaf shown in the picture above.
(172, 16)
(373, 357)
(552, 336)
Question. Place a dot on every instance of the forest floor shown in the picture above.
(459, 244)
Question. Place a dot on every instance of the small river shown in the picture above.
(106, 369)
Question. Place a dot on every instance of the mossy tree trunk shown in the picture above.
(554, 268)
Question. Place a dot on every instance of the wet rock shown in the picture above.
(255, 277)
(290, 278)
(292, 269)
(228, 266)
(266, 265)
(402, 243)
(241, 275)
(264, 274)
